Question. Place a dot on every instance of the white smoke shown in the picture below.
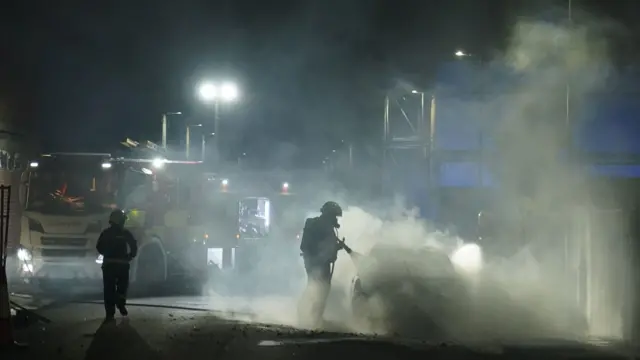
(526, 294)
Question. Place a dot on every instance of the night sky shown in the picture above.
(84, 75)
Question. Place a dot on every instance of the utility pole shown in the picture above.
(204, 144)
(164, 131)
(188, 139)
(188, 142)
(216, 131)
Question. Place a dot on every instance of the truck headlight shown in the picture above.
(99, 259)
(468, 258)
(24, 254)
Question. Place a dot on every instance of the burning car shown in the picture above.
(416, 285)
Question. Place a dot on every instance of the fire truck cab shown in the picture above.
(67, 198)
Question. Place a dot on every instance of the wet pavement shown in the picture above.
(186, 328)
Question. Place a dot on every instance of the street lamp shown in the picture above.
(164, 126)
(188, 138)
(215, 93)
(204, 145)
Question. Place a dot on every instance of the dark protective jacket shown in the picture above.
(117, 245)
(319, 240)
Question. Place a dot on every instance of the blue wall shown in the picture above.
(607, 122)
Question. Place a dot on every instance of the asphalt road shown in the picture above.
(188, 328)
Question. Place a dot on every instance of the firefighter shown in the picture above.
(117, 247)
(320, 245)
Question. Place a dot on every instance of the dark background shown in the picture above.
(82, 75)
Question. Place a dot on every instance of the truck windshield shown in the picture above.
(68, 192)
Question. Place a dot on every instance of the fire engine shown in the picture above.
(67, 198)
(188, 223)
(247, 216)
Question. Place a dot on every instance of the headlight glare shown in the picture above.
(24, 254)
(468, 258)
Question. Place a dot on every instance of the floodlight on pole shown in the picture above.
(215, 93)
(208, 92)
(225, 92)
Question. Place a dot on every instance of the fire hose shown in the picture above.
(341, 245)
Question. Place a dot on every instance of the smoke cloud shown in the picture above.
(554, 281)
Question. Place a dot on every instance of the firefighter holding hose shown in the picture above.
(118, 247)
(320, 245)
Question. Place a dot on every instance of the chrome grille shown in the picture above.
(60, 241)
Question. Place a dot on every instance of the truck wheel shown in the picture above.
(150, 271)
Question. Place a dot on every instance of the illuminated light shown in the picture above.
(27, 268)
(229, 92)
(225, 182)
(24, 254)
(100, 259)
(106, 165)
(206, 236)
(237, 236)
(147, 171)
(158, 163)
(33, 164)
(208, 92)
(285, 186)
(211, 92)
(468, 258)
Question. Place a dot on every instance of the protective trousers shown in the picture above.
(318, 287)
(115, 279)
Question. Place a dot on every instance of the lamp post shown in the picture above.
(164, 126)
(188, 138)
(204, 145)
(216, 93)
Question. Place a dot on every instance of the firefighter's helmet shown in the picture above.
(117, 217)
(331, 208)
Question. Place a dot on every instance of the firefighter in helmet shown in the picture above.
(117, 247)
(320, 245)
